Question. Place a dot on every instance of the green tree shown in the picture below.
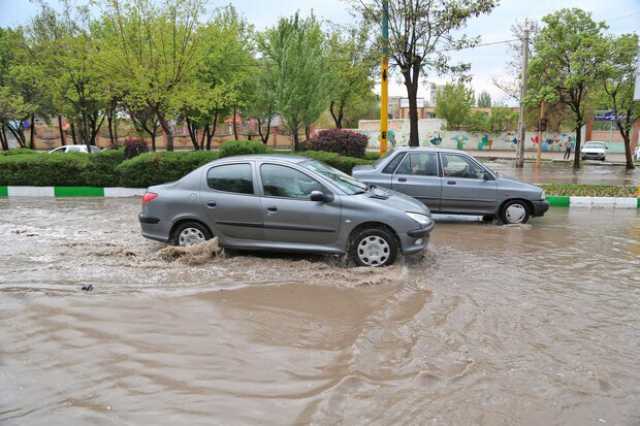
(351, 63)
(484, 100)
(567, 64)
(453, 103)
(618, 84)
(263, 103)
(419, 32)
(153, 53)
(295, 48)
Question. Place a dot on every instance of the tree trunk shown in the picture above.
(307, 132)
(264, 137)
(576, 154)
(202, 137)
(73, 134)
(337, 117)
(153, 141)
(61, 130)
(296, 139)
(3, 138)
(412, 94)
(213, 131)
(235, 125)
(192, 134)
(627, 152)
(32, 134)
(110, 126)
(167, 131)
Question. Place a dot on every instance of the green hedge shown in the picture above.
(19, 151)
(230, 148)
(154, 168)
(581, 190)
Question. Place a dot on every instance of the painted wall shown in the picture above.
(431, 134)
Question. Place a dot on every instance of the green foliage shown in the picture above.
(567, 63)
(295, 48)
(484, 100)
(154, 168)
(350, 86)
(20, 151)
(453, 103)
(580, 190)
(242, 148)
(372, 155)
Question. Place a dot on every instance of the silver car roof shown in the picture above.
(261, 157)
(427, 149)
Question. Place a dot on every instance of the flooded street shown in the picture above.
(591, 172)
(519, 325)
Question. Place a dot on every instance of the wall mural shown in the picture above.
(432, 134)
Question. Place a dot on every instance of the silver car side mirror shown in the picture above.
(317, 196)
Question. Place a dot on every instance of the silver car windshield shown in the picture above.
(346, 183)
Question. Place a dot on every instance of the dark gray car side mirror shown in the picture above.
(487, 176)
(317, 196)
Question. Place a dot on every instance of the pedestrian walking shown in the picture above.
(567, 150)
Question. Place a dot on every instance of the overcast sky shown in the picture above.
(486, 62)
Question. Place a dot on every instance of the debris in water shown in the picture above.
(196, 254)
(87, 287)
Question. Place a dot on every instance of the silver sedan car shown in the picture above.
(286, 203)
(451, 181)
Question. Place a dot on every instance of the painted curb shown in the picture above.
(119, 192)
(68, 191)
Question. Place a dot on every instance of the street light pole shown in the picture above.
(523, 93)
(384, 85)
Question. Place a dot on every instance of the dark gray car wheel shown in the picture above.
(374, 247)
(514, 212)
(190, 233)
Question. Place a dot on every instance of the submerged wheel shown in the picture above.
(514, 212)
(190, 233)
(374, 247)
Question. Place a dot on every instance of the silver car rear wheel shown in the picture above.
(190, 236)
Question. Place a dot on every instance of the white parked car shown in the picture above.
(594, 150)
(74, 148)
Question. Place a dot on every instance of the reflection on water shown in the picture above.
(534, 324)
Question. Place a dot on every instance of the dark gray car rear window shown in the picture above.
(391, 166)
(236, 178)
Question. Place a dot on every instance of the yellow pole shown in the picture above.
(384, 106)
(384, 85)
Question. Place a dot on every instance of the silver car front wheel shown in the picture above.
(374, 247)
(515, 212)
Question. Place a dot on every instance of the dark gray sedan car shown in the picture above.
(286, 203)
(450, 181)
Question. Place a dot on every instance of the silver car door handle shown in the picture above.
(451, 182)
(211, 204)
(272, 209)
(402, 179)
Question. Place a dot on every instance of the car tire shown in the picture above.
(374, 247)
(515, 212)
(190, 233)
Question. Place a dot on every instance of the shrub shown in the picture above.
(340, 162)
(581, 190)
(372, 155)
(134, 146)
(19, 151)
(159, 167)
(343, 142)
(242, 148)
(101, 170)
(43, 170)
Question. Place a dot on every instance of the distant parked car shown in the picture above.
(285, 203)
(594, 150)
(74, 148)
(451, 181)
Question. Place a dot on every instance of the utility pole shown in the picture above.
(384, 85)
(523, 93)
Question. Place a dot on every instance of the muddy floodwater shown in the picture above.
(521, 325)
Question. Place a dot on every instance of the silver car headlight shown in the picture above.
(420, 218)
(543, 196)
